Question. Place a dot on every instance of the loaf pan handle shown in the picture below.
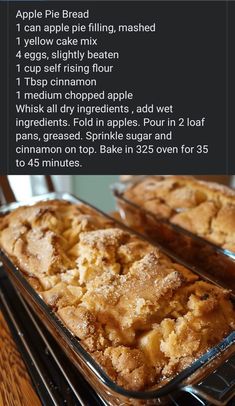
(218, 387)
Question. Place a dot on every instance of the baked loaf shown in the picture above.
(142, 317)
(206, 209)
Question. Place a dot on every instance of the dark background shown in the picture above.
(185, 63)
(3, 87)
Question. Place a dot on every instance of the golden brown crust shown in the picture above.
(204, 208)
(142, 316)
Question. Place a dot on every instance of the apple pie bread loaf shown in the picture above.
(141, 316)
(206, 209)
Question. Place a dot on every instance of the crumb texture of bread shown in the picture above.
(140, 315)
(206, 209)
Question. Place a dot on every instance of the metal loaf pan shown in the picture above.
(207, 259)
(198, 379)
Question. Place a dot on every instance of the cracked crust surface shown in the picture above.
(206, 209)
(140, 315)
